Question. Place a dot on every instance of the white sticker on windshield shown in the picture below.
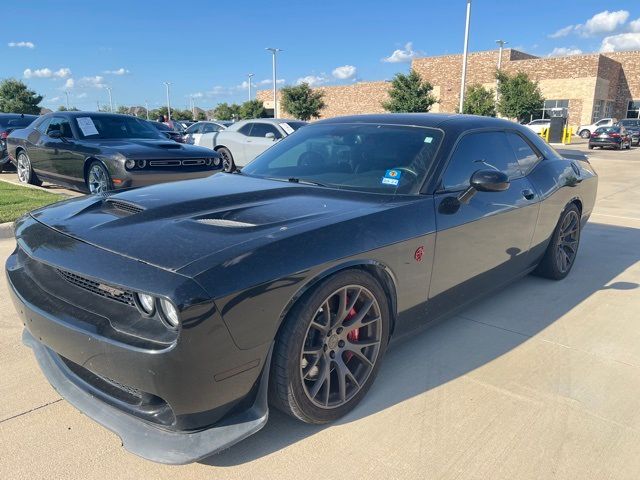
(87, 126)
(428, 139)
(287, 128)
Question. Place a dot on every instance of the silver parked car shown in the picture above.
(204, 133)
(245, 140)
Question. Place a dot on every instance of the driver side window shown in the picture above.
(479, 151)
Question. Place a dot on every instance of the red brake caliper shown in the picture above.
(353, 335)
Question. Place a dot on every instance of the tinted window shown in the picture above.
(480, 151)
(526, 156)
(261, 129)
(608, 130)
(245, 129)
(19, 122)
(367, 157)
(60, 124)
(44, 124)
(196, 128)
(210, 128)
(117, 126)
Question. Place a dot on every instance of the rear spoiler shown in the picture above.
(573, 154)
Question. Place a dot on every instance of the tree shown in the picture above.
(15, 97)
(123, 110)
(252, 109)
(480, 101)
(302, 102)
(409, 93)
(201, 116)
(224, 111)
(519, 97)
(62, 108)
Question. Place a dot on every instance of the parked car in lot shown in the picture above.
(168, 132)
(632, 126)
(8, 123)
(175, 314)
(98, 152)
(585, 131)
(204, 133)
(615, 137)
(538, 125)
(243, 141)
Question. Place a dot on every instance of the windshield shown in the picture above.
(17, 122)
(114, 127)
(608, 130)
(367, 157)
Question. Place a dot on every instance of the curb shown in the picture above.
(6, 230)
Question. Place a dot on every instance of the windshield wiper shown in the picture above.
(306, 182)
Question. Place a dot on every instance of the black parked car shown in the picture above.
(168, 132)
(615, 137)
(173, 314)
(97, 152)
(632, 126)
(8, 123)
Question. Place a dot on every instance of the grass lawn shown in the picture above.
(16, 200)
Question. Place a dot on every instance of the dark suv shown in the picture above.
(632, 126)
(8, 123)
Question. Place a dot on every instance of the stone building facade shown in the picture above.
(591, 86)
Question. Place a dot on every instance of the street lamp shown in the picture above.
(146, 108)
(464, 58)
(110, 100)
(66, 92)
(250, 75)
(274, 51)
(167, 84)
(501, 44)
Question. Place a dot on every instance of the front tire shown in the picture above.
(227, 160)
(330, 348)
(98, 179)
(563, 247)
(25, 170)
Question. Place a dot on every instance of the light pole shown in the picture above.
(274, 51)
(250, 76)
(146, 108)
(501, 44)
(193, 107)
(110, 100)
(167, 84)
(464, 57)
(66, 92)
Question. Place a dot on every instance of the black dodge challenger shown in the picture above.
(98, 152)
(175, 314)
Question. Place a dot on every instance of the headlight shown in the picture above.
(146, 303)
(129, 164)
(169, 312)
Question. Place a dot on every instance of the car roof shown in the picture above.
(17, 115)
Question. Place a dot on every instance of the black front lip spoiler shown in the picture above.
(142, 438)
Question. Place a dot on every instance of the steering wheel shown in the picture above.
(311, 159)
(408, 170)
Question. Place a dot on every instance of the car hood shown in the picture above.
(142, 148)
(175, 224)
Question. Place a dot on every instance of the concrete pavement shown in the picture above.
(540, 381)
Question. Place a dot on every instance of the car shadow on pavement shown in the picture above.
(439, 353)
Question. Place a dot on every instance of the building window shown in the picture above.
(548, 107)
(601, 109)
(633, 109)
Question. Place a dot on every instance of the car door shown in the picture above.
(62, 157)
(207, 136)
(483, 243)
(258, 141)
(36, 148)
(193, 133)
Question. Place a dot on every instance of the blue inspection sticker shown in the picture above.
(391, 177)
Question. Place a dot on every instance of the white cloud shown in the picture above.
(21, 45)
(345, 72)
(96, 81)
(400, 55)
(313, 80)
(634, 26)
(47, 73)
(53, 100)
(197, 95)
(563, 32)
(119, 71)
(70, 83)
(604, 22)
(62, 73)
(82, 95)
(621, 42)
(564, 51)
(267, 81)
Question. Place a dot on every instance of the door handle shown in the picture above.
(528, 194)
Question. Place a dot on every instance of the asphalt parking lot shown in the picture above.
(540, 381)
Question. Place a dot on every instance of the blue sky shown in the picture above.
(206, 48)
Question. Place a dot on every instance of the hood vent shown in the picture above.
(169, 146)
(221, 222)
(126, 207)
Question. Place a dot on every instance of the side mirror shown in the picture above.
(57, 134)
(484, 181)
(270, 135)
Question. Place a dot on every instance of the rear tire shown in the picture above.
(585, 133)
(590, 147)
(227, 160)
(330, 348)
(562, 250)
(25, 170)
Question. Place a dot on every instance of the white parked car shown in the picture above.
(538, 125)
(245, 140)
(585, 130)
(203, 133)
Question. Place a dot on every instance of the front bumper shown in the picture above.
(134, 178)
(140, 437)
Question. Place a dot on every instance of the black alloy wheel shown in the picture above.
(227, 160)
(330, 348)
(563, 247)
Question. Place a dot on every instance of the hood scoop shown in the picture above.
(169, 146)
(122, 207)
(221, 222)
